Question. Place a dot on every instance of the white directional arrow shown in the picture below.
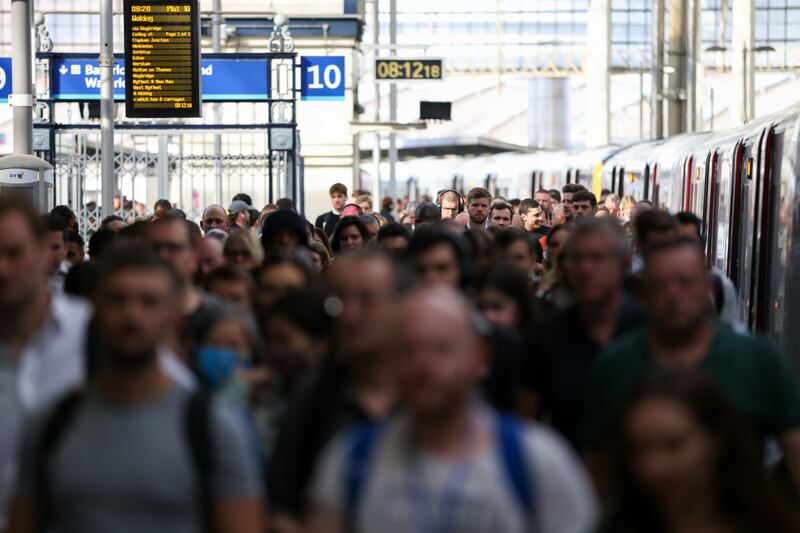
(63, 70)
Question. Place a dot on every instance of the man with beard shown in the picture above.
(135, 451)
(479, 202)
(684, 334)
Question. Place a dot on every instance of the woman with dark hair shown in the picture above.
(321, 237)
(685, 460)
(504, 297)
(552, 288)
(521, 248)
(350, 234)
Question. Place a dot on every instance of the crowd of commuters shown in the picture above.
(558, 364)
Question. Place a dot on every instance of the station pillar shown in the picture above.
(598, 76)
(742, 67)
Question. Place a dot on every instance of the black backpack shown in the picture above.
(197, 427)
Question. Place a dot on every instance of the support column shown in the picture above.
(598, 77)
(109, 181)
(743, 41)
(392, 110)
(22, 72)
(216, 38)
(376, 149)
(677, 74)
(693, 55)
(657, 91)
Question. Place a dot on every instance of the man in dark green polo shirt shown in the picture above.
(683, 333)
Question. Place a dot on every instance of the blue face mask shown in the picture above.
(216, 365)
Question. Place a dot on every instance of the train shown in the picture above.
(742, 183)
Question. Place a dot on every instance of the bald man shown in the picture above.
(445, 446)
(214, 217)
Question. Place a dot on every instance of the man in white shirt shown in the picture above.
(42, 333)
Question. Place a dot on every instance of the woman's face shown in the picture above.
(238, 254)
(350, 239)
(498, 309)
(232, 335)
(557, 242)
(672, 457)
(316, 260)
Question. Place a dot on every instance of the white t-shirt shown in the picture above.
(408, 491)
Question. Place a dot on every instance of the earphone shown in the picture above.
(461, 202)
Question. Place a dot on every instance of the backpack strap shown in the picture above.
(55, 426)
(198, 435)
(358, 459)
(516, 462)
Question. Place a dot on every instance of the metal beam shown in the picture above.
(657, 74)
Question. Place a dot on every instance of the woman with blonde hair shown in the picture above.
(625, 206)
(242, 249)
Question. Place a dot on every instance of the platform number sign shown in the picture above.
(5, 78)
(323, 78)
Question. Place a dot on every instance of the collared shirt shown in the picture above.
(558, 367)
(51, 365)
(56, 281)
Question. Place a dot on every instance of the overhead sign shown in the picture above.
(396, 69)
(323, 78)
(162, 53)
(5, 78)
(235, 79)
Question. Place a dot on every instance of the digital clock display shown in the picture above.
(394, 69)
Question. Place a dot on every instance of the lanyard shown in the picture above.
(421, 504)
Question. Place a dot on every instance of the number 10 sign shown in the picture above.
(323, 78)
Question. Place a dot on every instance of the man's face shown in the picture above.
(449, 209)
(365, 207)
(22, 263)
(543, 198)
(501, 218)
(566, 203)
(438, 266)
(440, 358)
(478, 211)
(75, 253)
(338, 200)
(583, 209)
(209, 255)
(678, 289)
(365, 288)
(534, 218)
(136, 313)
(594, 270)
(214, 217)
(56, 250)
(171, 242)
(688, 231)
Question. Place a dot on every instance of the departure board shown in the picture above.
(162, 59)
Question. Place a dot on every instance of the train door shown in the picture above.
(712, 224)
(614, 181)
(646, 194)
(655, 191)
(761, 232)
(745, 237)
(687, 184)
(736, 168)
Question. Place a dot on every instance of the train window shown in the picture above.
(577, 175)
(569, 175)
(762, 231)
(737, 202)
(646, 195)
(706, 211)
(687, 195)
(621, 182)
(723, 217)
(655, 186)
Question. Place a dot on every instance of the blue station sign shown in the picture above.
(5, 79)
(235, 79)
